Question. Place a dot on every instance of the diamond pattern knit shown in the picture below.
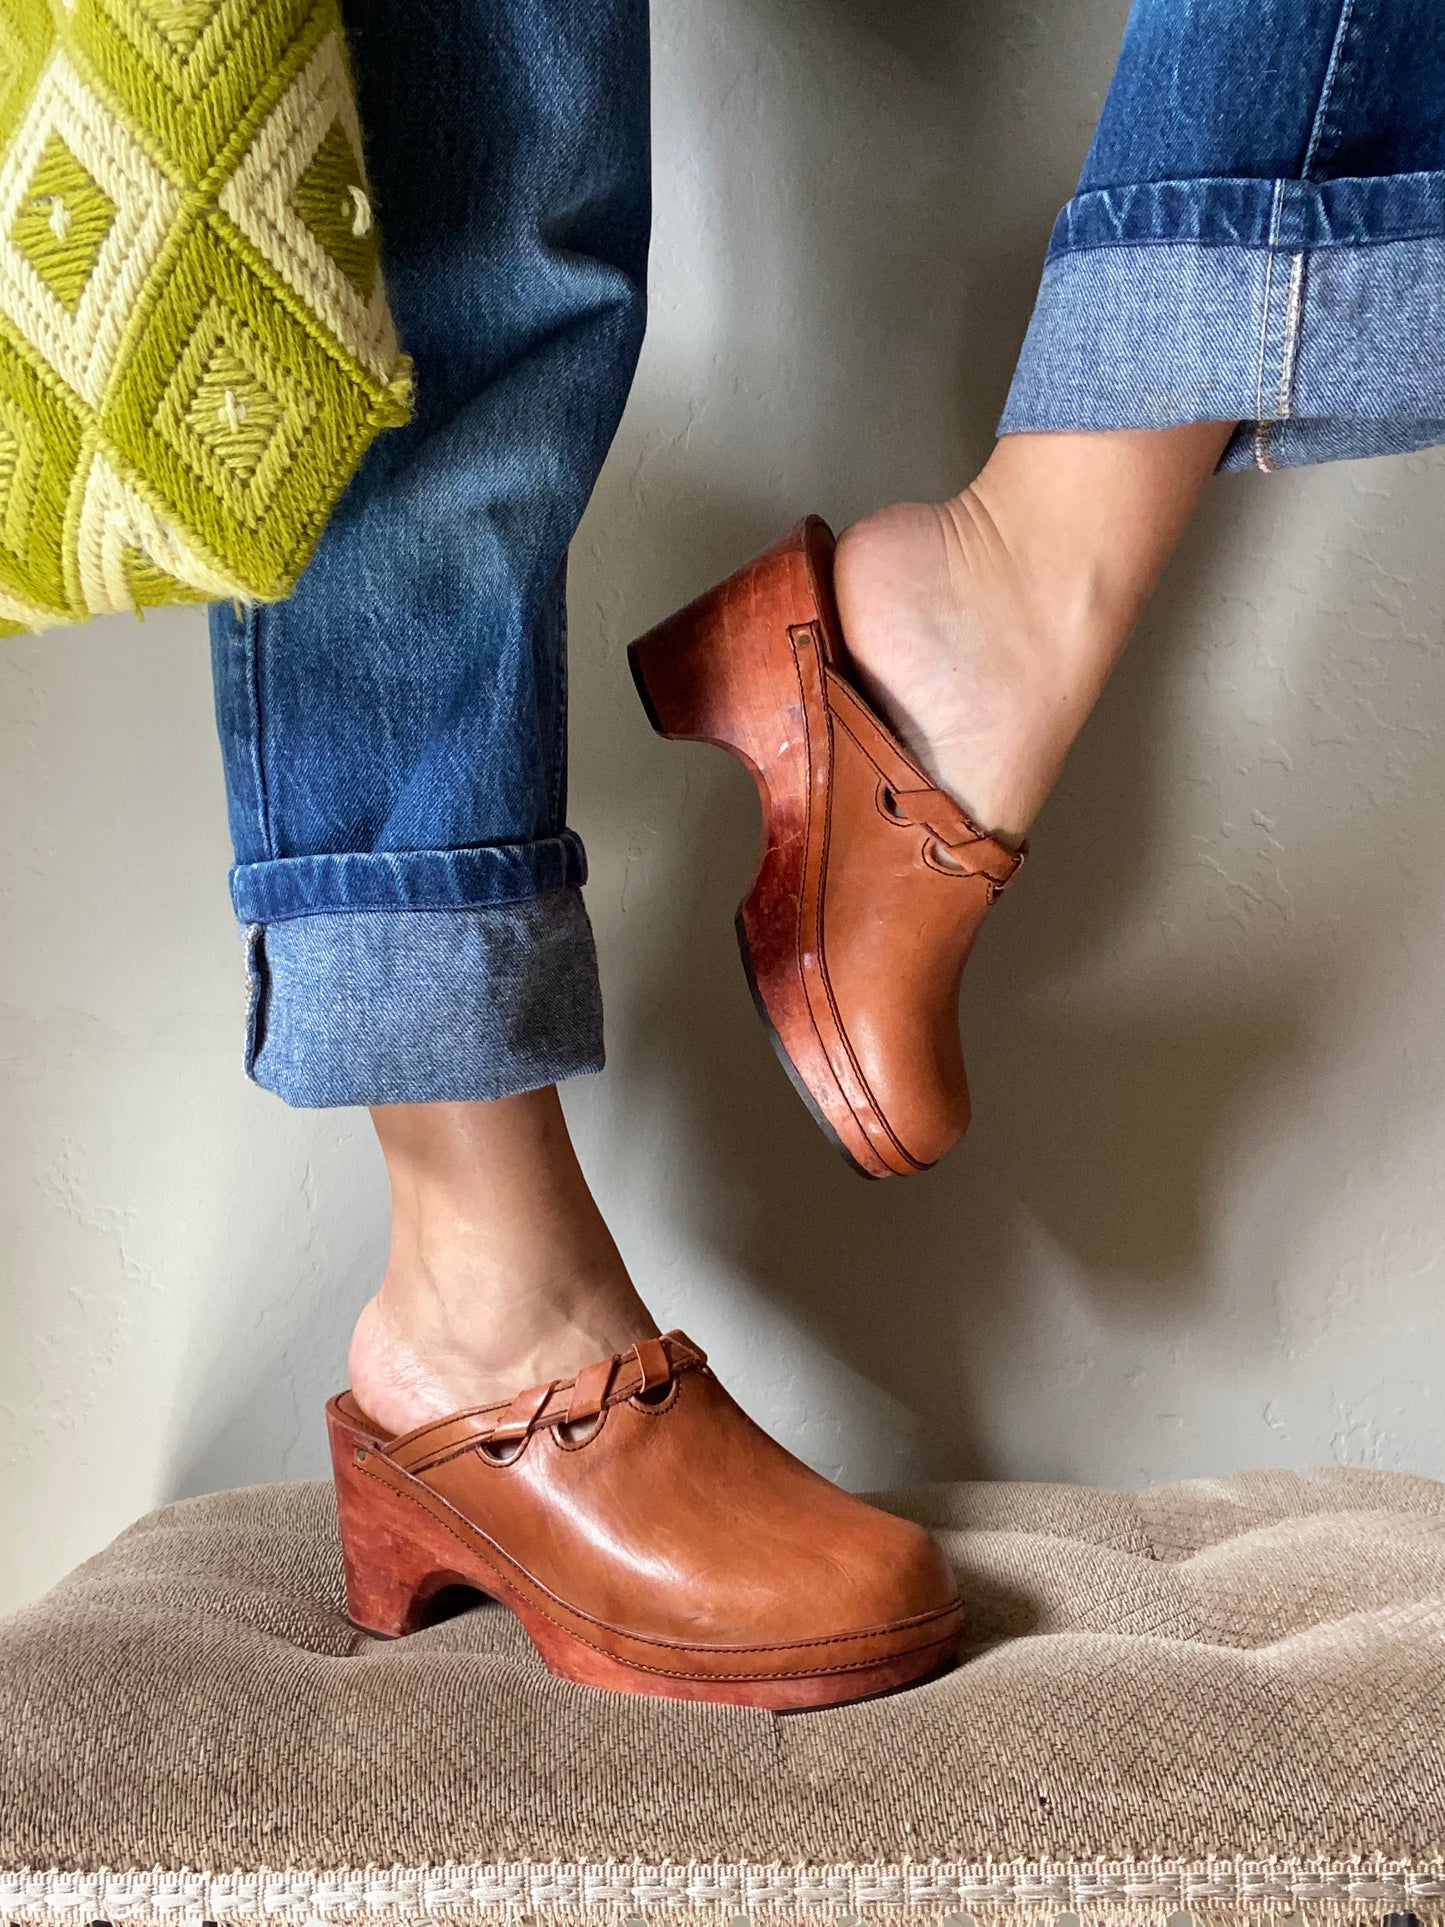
(195, 342)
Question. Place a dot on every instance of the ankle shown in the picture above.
(1072, 602)
(1089, 520)
(497, 1307)
(502, 1272)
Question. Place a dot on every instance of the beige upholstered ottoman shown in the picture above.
(1226, 1697)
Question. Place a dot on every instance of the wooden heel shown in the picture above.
(721, 670)
(397, 1556)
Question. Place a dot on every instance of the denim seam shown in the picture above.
(1328, 88)
(559, 739)
(1293, 319)
(1142, 241)
(1293, 327)
(1261, 432)
(477, 876)
(251, 633)
(1237, 211)
(254, 939)
(409, 909)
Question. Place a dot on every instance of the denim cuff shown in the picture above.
(1309, 313)
(415, 1006)
(303, 886)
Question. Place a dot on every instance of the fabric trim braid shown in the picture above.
(645, 1368)
(1226, 1888)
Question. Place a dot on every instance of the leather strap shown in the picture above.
(522, 1414)
(653, 1363)
(649, 1365)
(590, 1389)
(974, 852)
(918, 803)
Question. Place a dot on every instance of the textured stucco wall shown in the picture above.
(1199, 1223)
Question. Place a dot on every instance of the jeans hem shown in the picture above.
(1319, 353)
(1290, 215)
(416, 880)
(423, 1007)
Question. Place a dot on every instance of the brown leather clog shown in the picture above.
(872, 883)
(649, 1537)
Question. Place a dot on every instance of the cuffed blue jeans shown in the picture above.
(1259, 236)
(394, 736)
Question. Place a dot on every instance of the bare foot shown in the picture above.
(950, 648)
(984, 628)
(502, 1273)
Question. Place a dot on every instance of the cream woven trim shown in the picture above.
(1140, 1890)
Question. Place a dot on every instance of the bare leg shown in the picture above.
(984, 628)
(502, 1273)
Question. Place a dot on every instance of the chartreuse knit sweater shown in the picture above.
(195, 343)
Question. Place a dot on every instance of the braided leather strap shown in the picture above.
(957, 847)
(970, 851)
(651, 1364)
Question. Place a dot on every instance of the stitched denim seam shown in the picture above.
(1292, 324)
(1261, 433)
(408, 909)
(1236, 211)
(477, 877)
(558, 799)
(251, 643)
(1328, 88)
(1143, 241)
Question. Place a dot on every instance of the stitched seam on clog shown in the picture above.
(810, 629)
(578, 1445)
(844, 1043)
(656, 1411)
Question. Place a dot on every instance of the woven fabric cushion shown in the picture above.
(195, 341)
(1224, 1696)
